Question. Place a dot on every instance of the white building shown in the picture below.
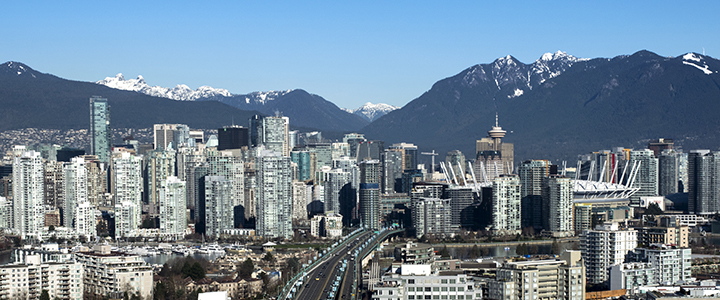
(506, 209)
(6, 214)
(127, 181)
(329, 225)
(75, 188)
(421, 282)
(218, 205)
(85, 223)
(431, 215)
(604, 247)
(631, 276)
(672, 264)
(111, 274)
(232, 168)
(28, 195)
(27, 280)
(646, 177)
(299, 192)
(558, 194)
(562, 278)
(274, 195)
(126, 219)
(173, 221)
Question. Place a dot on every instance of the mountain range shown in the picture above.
(560, 106)
(556, 107)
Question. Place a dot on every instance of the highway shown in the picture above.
(317, 284)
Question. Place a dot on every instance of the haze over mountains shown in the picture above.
(554, 108)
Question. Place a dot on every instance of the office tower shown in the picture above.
(53, 184)
(127, 181)
(647, 175)
(659, 145)
(255, 128)
(161, 165)
(336, 180)
(274, 195)
(461, 198)
(198, 136)
(181, 137)
(409, 155)
(233, 137)
(306, 163)
(76, 189)
(369, 150)
(85, 220)
(172, 208)
(392, 170)
(455, 159)
(127, 218)
(164, 134)
(703, 182)
(506, 208)
(531, 174)
(100, 134)
(28, 211)
(493, 157)
(558, 278)
(431, 215)
(557, 199)
(668, 166)
(605, 247)
(217, 205)
(299, 210)
(66, 153)
(370, 194)
(322, 151)
(338, 150)
(353, 140)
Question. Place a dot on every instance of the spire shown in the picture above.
(496, 120)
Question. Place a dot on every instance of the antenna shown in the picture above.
(703, 51)
(496, 118)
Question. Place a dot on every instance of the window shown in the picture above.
(444, 289)
(436, 289)
(443, 281)
(427, 289)
(411, 289)
(411, 281)
(452, 288)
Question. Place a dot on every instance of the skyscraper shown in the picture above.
(557, 194)
(703, 182)
(164, 134)
(370, 194)
(85, 223)
(172, 208)
(668, 165)
(273, 134)
(506, 208)
(233, 137)
(100, 134)
(392, 168)
(647, 175)
(75, 186)
(27, 184)
(455, 159)
(274, 195)
(532, 173)
(431, 215)
(126, 219)
(217, 205)
(335, 182)
(161, 165)
(127, 182)
(604, 247)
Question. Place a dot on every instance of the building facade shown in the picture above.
(274, 195)
(100, 134)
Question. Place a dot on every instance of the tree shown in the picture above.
(246, 268)
(194, 271)
(556, 248)
(268, 257)
(653, 209)
(293, 264)
(51, 228)
(533, 249)
(444, 252)
(485, 251)
(44, 295)
(521, 249)
(474, 252)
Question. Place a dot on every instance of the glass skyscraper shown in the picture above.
(100, 135)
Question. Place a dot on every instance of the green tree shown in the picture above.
(653, 209)
(51, 228)
(268, 257)
(194, 271)
(474, 252)
(533, 249)
(556, 248)
(44, 295)
(444, 252)
(293, 264)
(521, 249)
(485, 251)
(160, 291)
(246, 268)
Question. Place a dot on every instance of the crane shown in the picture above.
(432, 155)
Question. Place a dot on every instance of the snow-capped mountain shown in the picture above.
(262, 98)
(697, 61)
(180, 92)
(371, 111)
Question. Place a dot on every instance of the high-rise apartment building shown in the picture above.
(506, 208)
(336, 180)
(127, 218)
(85, 223)
(172, 208)
(668, 169)
(161, 165)
(54, 192)
(370, 194)
(274, 195)
(100, 134)
(409, 155)
(216, 207)
(306, 163)
(273, 134)
(27, 280)
(461, 198)
(431, 215)
(127, 182)
(532, 173)
(604, 247)
(110, 274)
(28, 209)
(392, 170)
(558, 203)
(232, 168)
(647, 175)
(299, 192)
(76, 190)
(703, 182)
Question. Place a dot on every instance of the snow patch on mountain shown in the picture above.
(691, 59)
(261, 98)
(371, 111)
(180, 92)
(517, 93)
(18, 68)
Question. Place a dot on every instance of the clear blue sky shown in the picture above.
(348, 52)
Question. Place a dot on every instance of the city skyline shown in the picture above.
(348, 53)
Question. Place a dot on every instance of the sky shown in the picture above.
(348, 52)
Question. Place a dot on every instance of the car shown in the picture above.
(317, 278)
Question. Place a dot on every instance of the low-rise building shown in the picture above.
(672, 264)
(329, 225)
(631, 276)
(422, 282)
(27, 280)
(664, 235)
(111, 273)
(416, 253)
